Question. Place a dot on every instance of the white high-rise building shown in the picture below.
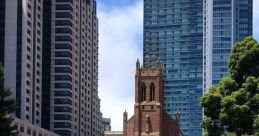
(21, 53)
(225, 23)
(49, 49)
(70, 67)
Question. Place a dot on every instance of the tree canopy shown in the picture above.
(233, 105)
(7, 107)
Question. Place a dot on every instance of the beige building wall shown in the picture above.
(25, 128)
(113, 133)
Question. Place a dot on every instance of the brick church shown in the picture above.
(150, 118)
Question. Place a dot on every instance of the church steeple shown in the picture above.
(149, 83)
(149, 118)
(149, 96)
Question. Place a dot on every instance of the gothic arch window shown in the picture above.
(152, 91)
(143, 92)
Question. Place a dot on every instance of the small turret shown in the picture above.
(158, 63)
(138, 64)
(125, 116)
(177, 116)
(125, 120)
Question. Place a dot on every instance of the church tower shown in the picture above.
(149, 118)
(149, 99)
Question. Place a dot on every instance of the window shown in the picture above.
(64, 38)
(28, 74)
(62, 125)
(62, 117)
(63, 93)
(63, 30)
(63, 23)
(63, 78)
(63, 46)
(28, 40)
(62, 101)
(28, 31)
(63, 70)
(62, 109)
(28, 131)
(28, 91)
(22, 129)
(71, 1)
(27, 108)
(63, 54)
(64, 15)
(15, 127)
(63, 62)
(63, 132)
(64, 7)
(29, 6)
(152, 91)
(143, 92)
(63, 86)
(29, 14)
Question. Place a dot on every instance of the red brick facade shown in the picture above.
(149, 117)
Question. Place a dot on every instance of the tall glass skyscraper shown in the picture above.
(193, 39)
(173, 31)
(225, 23)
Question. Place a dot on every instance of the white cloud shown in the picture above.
(256, 19)
(120, 42)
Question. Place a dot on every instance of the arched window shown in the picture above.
(152, 91)
(143, 92)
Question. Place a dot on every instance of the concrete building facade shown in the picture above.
(72, 105)
(106, 124)
(21, 54)
(27, 129)
(60, 39)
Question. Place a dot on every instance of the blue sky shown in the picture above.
(118, 2)
(120, 44)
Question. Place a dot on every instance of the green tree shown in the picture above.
(232, 107)
(7, 107)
